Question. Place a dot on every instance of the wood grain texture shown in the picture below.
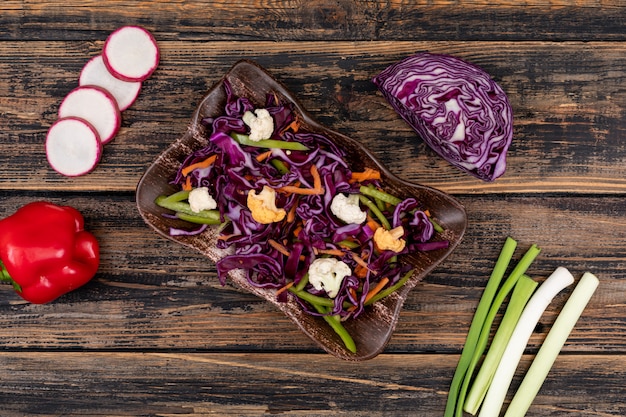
(194, 384)
(568, 120)
(155, 334)
(141, 299)
(284, 20)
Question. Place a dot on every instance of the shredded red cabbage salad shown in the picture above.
(279, 254)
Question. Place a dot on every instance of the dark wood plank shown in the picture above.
(151, 293)
(156, 334)
(192, 384)
(323, 19)
(569, 120)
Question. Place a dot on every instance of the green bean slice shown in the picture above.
(381, 195)
(268, 143)
(185, 208)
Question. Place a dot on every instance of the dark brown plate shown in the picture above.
(372, 330)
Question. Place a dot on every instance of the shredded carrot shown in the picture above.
(282, 248)
(427, 213)
(284, 288)
(297, 230)
(317, 180)
(297, 190)
(263, 156)
(294, 126)
(354, 306)
(187, 185)
(333, 252)
(372, 224)
(226, 237)
(360, 271)
(353, 292)
(279, 247)
(291, 214)
(360, 261)
(202, 164)
(317, 185)
(378, 288)
(367, 174)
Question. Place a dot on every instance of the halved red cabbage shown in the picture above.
(456, 108)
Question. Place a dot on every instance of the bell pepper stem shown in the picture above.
(5, 277)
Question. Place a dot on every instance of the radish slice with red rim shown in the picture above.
(73, 146)
(96, 73)
(131, 53)
(95, 105)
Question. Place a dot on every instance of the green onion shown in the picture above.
(533, 311)
(524, 288)
(483, 339)
(477, 323)
(552, 346)
(478, 335)
(268, 143)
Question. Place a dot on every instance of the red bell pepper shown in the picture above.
(45, 252)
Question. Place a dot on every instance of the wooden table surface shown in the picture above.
(155, 334)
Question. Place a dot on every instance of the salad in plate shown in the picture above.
(296, 216)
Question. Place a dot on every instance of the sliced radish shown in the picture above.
(73, 146)
(96, 73)
(95, 105)
(131, 53)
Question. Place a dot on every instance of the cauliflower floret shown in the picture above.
(347, 208)
(390, 239)
(263, 206)
(260, 123)
(327, 274)
(200, 199)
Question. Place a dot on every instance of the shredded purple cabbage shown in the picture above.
(236, 172)
(455, 107)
